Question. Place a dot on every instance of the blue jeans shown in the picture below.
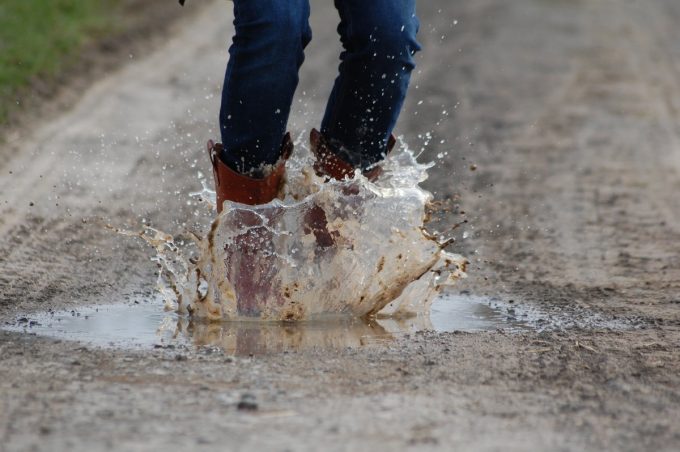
(379, 41)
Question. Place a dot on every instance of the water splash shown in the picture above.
(327, 248)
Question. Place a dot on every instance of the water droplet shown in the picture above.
(390, 213)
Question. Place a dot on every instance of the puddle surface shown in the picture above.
(147, 325)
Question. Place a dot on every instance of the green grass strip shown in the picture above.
(38, 36)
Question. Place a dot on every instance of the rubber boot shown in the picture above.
(233, 186)
(248, 257)
(329, 164)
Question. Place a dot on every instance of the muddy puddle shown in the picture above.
(145, 325)
(148, 324)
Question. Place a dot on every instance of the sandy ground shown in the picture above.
(571, 113)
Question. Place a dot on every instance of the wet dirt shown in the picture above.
(568, 111)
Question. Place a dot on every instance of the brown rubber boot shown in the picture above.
(329, 164)
(233, 186)
(248, 256)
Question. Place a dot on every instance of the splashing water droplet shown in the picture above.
(326, 248)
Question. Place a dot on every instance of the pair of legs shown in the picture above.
(379, 41)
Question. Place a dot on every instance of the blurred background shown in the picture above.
(45, 44)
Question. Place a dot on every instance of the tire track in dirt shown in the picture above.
(120, 155)
(574, 199)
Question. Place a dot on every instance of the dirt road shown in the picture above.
(570, 112)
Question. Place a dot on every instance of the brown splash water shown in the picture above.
(351, 248)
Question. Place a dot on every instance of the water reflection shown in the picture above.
(247, 338)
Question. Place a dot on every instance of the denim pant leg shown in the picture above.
(379, 40)
(261, 78)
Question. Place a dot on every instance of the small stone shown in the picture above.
(247, 403)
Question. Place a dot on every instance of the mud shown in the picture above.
(568, 111)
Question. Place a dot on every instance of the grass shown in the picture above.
(38, 37)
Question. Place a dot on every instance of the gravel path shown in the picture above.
(570, 113)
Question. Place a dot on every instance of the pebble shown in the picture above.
(247, 403)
